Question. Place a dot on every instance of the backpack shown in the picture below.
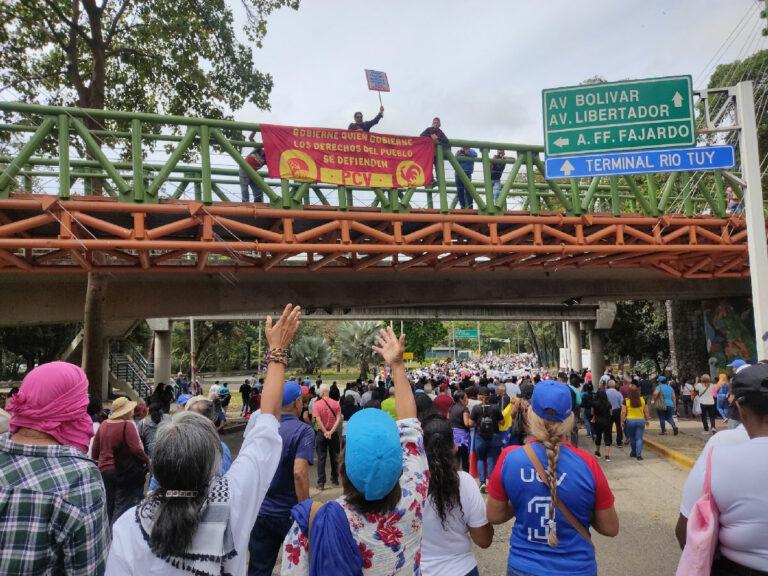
(487, 426)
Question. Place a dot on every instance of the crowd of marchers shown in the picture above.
(413, 453)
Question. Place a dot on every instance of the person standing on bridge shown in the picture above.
(467, 166)
(554, 491)
(497, 169)
(255, 159)
(438, 137)
(360, 126)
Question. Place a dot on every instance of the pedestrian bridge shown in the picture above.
(121, 192)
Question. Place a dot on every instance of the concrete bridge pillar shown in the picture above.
(596, 354)
(574, 344)
(162, 354)
(687, 341)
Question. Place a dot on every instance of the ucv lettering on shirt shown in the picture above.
(530, 475)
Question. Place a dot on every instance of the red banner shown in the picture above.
(347, 157)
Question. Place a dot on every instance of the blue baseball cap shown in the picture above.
(736, 363)
(661, 378)
(551, 400)
(183, 399)
(291, 391)
(373, 458)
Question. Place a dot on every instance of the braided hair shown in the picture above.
(551, 435)
(443, 477)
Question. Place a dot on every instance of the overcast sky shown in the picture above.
(481, 65)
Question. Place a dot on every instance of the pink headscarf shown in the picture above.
(53, 399)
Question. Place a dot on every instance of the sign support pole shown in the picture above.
(753, 207)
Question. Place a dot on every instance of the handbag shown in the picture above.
(701, 532)
(129, 469)
(660, 403)
(696, 408)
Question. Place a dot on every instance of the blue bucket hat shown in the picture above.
(291, 391)
(551, 400)
(373, 458)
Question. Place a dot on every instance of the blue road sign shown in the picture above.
(642, 162)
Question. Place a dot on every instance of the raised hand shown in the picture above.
(381, 109)
(281, 333)
(389, 346)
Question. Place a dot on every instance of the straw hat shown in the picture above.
(120, 407)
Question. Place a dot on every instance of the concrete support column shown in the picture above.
(95, 361)
(687, 341)
(574, 344)
(162, 353)
(596, 354)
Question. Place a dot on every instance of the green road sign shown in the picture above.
(466, 334)
(615, 116)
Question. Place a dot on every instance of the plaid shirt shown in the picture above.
(53, 518)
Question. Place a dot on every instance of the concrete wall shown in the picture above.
(687, 341)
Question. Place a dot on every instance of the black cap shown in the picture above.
(750, 379)
(483, 391)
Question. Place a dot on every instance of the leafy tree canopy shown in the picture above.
(639, 332)
(421, 335)
(166, 56)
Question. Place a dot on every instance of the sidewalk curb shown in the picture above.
(677, 457)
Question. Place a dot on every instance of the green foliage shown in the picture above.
(221, 346)
(310, 354)
(754, 68)
(354, 342)
(421, 335)
(166, 56)
(639, 332)
(34, 345)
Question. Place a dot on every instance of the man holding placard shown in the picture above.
(358, 124)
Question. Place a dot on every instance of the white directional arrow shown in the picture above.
(567, 168)
(677, 100)
(560, 142)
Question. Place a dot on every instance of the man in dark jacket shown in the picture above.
(358, 124)
(438, 136)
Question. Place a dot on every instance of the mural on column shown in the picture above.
(730, 329)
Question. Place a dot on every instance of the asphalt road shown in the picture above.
(647, 500)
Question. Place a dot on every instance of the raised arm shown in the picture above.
(391, 349)
(279, 337)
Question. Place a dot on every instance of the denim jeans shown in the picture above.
(635, 431)
(722, 406)
(264, 545)
(588, 421)
(496, 190)
(667, 415)
(465, 198)
(487, 450)
(245, 184)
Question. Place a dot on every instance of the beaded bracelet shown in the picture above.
(279, 355)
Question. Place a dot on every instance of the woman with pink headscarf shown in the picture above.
(53, 518)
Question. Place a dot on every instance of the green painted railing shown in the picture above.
(139, 157)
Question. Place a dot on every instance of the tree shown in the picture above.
(354, 342)
(421, 335)
(639, 332)
(166, 56)
(108, 54)
(311, 353)
(752, 68)
(37, 344)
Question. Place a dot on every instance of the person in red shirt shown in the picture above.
(118, 439)
(327, 415)
(255, 160)
(443, 401)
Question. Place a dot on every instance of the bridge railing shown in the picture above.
(147, 158)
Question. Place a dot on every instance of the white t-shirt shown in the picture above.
(687, 389)
(705, 393)
(249, 479)
(738, 486)
(448, 551)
